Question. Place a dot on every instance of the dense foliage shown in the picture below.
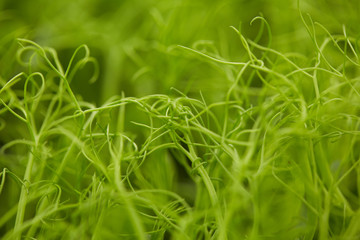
(156, 120)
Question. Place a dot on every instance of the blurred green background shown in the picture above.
(134, 41)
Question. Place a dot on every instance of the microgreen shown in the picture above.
(261, 144)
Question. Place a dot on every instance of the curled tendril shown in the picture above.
(347, 41)
(38, 94)
(71, 70)
(54, 64)
(263, 22)
(50, 188)
(206, 44)
(49, 55)
(22, 51)
(245, 44)
(12, 81)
